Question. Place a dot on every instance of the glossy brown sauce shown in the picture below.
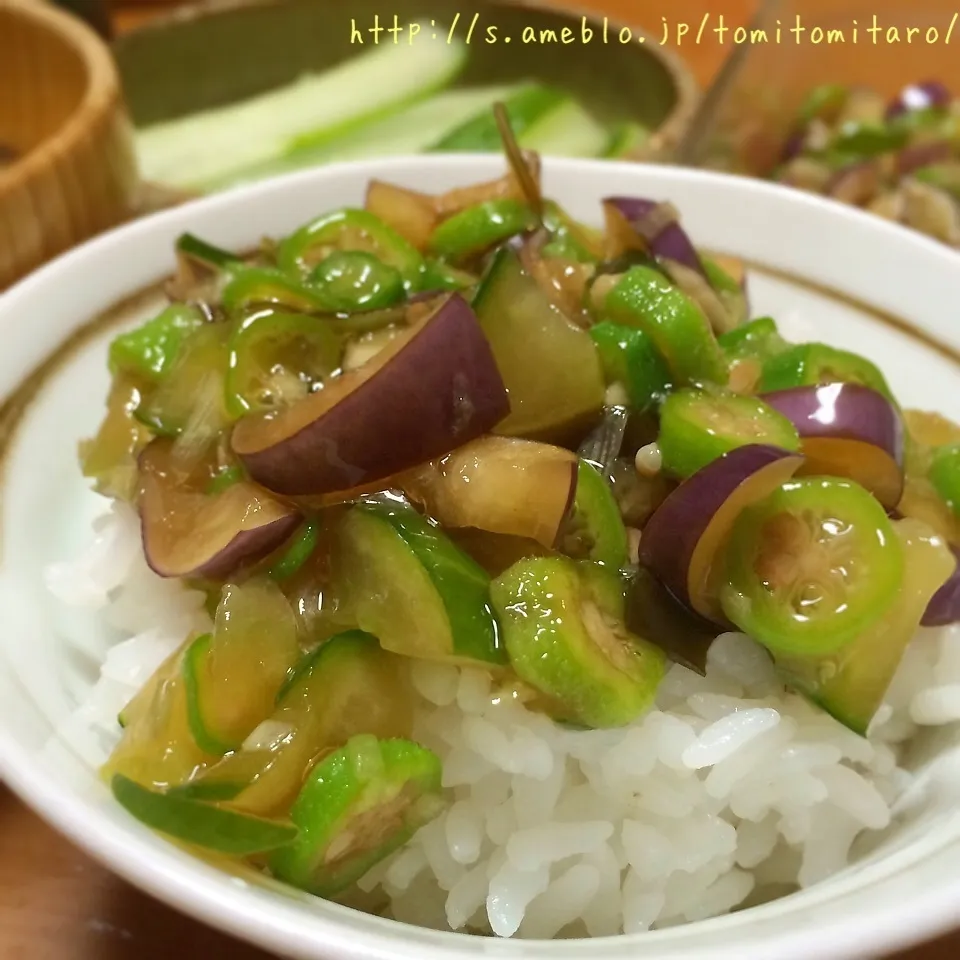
(16, 404)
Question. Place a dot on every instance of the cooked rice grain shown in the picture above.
(730, 790)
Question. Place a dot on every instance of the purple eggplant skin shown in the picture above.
(842, 411)
(671, 243)
(204, 538)
(863, 421)
(653, 613)
(944, 607)
(668, 546)
(677, 255)
(793, 145)
(919, 96)
(923, 155)
(246, 548)
(437, 390)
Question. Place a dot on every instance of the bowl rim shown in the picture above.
(925, 914)
(100, 93)
(686, 87)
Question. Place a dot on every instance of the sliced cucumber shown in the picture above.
(568, 130)
(347, 686)
(158, 748)
(409, 130)
(403, 580)
(191, 400)
(225, 831)
(360, 805)
(297, 553)
(626, 138)
(595, 529)
(232, 675)
(200, 150)
(524, 107)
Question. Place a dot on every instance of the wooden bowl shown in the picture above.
(68, 168)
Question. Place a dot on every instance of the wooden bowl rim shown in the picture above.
(665, 136)
(101, 90)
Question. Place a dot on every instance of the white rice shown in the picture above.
(730, 791)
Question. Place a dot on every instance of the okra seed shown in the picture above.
(648, 460)
(616, 396)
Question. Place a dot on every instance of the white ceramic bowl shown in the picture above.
(867, 278)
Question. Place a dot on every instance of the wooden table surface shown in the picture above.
(55, 903)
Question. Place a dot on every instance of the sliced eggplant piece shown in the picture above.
(944, 608)
(683, 540)
(501, 484)
(432, 389)
(410, 214)
(929, 94)
(849, 431)
(495, 552)
(653, 613)
(550, 366)
(188, 533)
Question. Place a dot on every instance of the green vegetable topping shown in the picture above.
(150, 350)
(359, 805)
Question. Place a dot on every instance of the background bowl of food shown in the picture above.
(242, 669)
(223, 94)
(853, 102)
